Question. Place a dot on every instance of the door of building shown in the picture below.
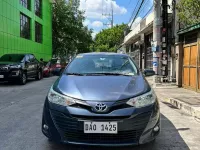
(191, 71)
(198, 70)
(148, 51)
(149, 58)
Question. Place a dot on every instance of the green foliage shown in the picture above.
(188, 12)
(109, 39)
(70, 36)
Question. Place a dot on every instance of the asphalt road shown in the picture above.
(20, 123)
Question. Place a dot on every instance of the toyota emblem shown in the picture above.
(101, 107)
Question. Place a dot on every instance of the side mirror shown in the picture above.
(148, 73)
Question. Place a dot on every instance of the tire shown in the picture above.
(39, 76)
(60, 73)
(50, 74)
(23, 78)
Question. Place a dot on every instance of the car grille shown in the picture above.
(72, 130)
(100, 118)
(121, 104)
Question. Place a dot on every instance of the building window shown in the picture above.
(25, 3)
(24, 26)
(38, 8)
(38, 32)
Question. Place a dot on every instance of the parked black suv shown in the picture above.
(19, 67)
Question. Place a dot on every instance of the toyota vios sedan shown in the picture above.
(101, 99)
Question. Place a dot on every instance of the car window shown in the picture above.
(32, 58)
(48, 64)
(12, 57)
(53, 61)
(102, 64)
(27, 58)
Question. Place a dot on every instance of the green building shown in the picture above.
(26, 27)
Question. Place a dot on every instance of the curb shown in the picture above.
(188, 109)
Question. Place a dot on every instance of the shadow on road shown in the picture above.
(14, 84)
(168, 139)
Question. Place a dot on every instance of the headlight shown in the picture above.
(143, 100)
(15, 67)
(59, 99)
(4, 68)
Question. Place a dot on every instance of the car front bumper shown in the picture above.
(56, 71)
(10, 76)
(62, 126)
(46, 73)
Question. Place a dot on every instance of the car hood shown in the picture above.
(101, 88)
(8, 63)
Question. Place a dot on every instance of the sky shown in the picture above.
(122, 12)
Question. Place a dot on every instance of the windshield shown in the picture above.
(102, 64)
(12, 57)
(55, 61)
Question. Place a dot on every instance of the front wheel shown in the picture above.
(23, 79)
(39, 75)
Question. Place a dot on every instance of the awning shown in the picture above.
(189, 28)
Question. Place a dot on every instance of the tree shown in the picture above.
(70, 36)
(189, 12)
(109, 39)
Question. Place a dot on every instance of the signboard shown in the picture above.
(154, 46)
(155, 64)
(154, 49)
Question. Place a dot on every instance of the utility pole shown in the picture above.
(157, 24)
(110, 16)
(165, 47)
(112, 20)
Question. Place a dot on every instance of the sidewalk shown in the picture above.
(186, 100)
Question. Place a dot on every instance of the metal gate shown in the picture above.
(149, 58)
(191, 67)
(136, 56)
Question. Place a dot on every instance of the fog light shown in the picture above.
(45, 127)
(156, 129)
(17, 73)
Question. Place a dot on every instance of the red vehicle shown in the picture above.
(47, 71)
(54, 67)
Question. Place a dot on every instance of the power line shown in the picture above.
(148, 11)
(137, 13)
(110, 16)
(134, 11)
(146, 14)
(143, 7)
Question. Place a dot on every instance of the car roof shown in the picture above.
(18, 54)
(102, 53)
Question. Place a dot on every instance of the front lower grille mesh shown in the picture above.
(72, 130)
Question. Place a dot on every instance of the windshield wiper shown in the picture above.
(116, 74)
(75, 74)
(107, 74)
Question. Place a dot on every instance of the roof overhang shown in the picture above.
(189, 29)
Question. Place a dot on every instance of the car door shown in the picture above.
(34, 65)
(28, 65)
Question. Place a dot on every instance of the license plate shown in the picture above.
(100, 127)
(1, 76)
